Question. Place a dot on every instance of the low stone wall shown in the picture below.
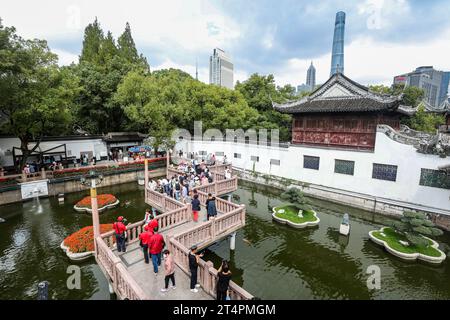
(382, 206)
(75, 186)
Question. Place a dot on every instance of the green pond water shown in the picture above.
(271, 261)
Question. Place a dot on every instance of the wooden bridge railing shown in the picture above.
(231, 219)
(123, 283)
(207, 275)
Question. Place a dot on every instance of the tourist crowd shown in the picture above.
(182, 188)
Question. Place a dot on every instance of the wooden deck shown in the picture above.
(132, 278)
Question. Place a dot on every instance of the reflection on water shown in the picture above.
(275, 261)
(30, 239)
(272, 261)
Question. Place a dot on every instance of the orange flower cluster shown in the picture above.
(102, 200)
(83, 240)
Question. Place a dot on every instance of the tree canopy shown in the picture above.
(36, 96)
(413, 96)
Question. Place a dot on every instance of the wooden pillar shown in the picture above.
(145, 178)
(95, 217)
(167, 162)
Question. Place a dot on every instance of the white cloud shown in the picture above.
(65, 58)
(372, 62)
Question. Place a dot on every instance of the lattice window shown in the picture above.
(275, 162)
(344, 167)
(237, 155)
(254, 158)
(310, 162)
(434, 178)
(384, 172)
(220, 153)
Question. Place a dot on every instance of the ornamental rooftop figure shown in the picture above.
(343, 113)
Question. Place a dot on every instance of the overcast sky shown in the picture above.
(383, 38)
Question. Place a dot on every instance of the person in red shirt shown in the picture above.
(119, 230)
(153, 223)
(155, 245)
(144, 238)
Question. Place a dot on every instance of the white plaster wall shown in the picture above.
(96, 146)
(405, 189)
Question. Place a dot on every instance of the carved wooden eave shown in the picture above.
(341, 94)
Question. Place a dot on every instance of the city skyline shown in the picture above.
(283, 47)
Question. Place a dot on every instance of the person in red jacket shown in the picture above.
(119, 230)
(155, 246)
(153, 223)
(144, 238)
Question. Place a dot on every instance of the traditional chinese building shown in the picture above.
(342, 113)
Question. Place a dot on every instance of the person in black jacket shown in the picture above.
(224, 277)
(194, 257)
(195, 207)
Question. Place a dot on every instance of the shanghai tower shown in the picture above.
(337, 56)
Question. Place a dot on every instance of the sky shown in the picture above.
(383, 38)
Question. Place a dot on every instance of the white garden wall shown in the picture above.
(405, 189)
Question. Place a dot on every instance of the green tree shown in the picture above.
(127, 49)
(35, 94)
(103, 65)
(415, 225)
(167, 99)
(296, 197)
(424, 121)
(259, 92)
(92, 43)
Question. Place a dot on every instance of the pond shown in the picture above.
(271, 261)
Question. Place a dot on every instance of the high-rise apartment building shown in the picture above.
(337, 55)
(221, 69)
(435, 83)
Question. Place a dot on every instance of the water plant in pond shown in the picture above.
(414, 226)
(83, 240)
(298, 213)
(397, 244)
(296, 198)
(103, 200)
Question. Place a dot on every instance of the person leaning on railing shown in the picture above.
(223, 282)
(194, 259)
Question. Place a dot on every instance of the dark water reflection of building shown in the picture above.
(278, 262)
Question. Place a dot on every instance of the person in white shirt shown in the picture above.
(227, 173)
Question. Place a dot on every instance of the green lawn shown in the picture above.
(291, 214)
(393, 238)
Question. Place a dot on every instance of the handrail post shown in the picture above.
(243, 214)
(145, 177)
(213, 227)
(207, 277)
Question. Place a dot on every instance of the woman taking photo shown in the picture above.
(224, 275)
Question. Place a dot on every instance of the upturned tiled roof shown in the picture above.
(341, 94)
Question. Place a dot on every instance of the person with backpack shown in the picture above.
(120, 230)
(155, 246)
(223, 282)
(211, 210)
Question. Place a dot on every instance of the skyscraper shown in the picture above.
(311, 77)
(337, 56)
(221, 69)
(435, 83)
